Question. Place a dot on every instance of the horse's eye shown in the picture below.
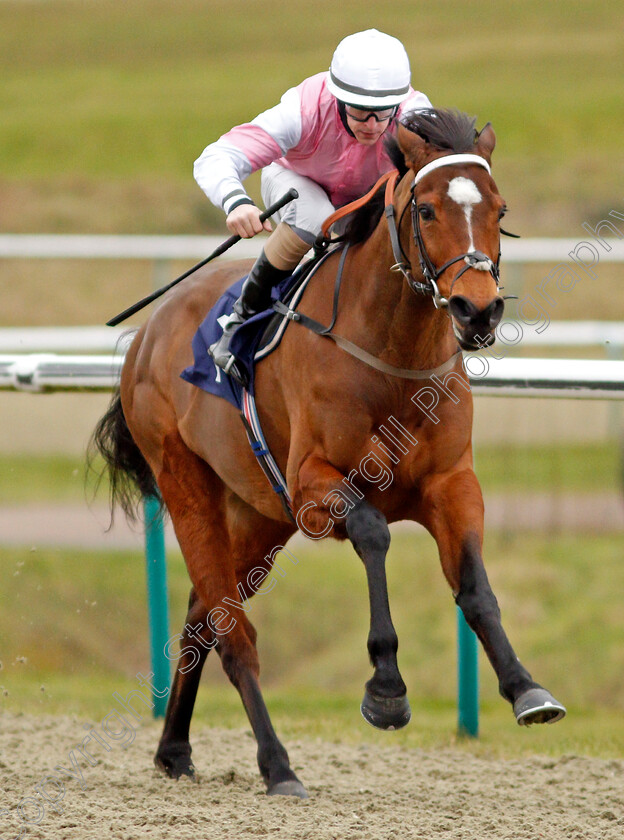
(426, 212)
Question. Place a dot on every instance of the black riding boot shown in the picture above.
(255, 297)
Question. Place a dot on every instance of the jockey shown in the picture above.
(323, 139)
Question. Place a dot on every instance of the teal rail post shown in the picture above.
(467, 679)
(157, 603)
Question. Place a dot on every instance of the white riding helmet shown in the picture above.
(370, 70)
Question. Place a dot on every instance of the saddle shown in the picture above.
(254, 340)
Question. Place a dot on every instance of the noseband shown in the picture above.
(431, 274)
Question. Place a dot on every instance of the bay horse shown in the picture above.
(321, 408)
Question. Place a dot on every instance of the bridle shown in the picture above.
(431, 274)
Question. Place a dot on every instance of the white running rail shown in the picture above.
(578, 378)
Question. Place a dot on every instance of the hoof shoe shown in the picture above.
(386, 712)
(537, 706)
(290, 788)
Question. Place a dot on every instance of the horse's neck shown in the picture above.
(386, 317)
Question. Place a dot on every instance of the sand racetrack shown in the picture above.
(355, 791)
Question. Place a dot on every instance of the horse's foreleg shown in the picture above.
(319, 483)
(455, 518)
(385, 703)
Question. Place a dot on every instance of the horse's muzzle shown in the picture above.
(473, 327)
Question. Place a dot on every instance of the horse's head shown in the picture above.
(456, 210)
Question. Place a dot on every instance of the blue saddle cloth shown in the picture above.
(245, 343)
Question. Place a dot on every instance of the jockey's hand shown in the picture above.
(244, 220)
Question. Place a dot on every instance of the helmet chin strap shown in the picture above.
(342, 110)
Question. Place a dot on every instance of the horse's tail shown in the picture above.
(129, 473)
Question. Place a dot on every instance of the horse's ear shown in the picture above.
(412, 146)
(486, 142)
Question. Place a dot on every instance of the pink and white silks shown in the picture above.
(301, 143)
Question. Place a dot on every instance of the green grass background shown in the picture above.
(573, 468)
(73, 623)
(74, 630)
(105, 105)
(107, 99)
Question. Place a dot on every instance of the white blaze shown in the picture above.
(464, 191)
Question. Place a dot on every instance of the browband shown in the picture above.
(449, 160)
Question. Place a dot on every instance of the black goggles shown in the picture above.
(362, 115)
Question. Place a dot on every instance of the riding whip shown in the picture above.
(136, 307)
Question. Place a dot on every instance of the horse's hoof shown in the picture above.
(386, 712)
(537, 706)
(175, 766)
(292, 787)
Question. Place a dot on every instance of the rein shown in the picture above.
(388, 178)
(353, 349)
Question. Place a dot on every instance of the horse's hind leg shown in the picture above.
(273, 759)
(455, 519)
(385, 702)
(174, 750)
(195, 498)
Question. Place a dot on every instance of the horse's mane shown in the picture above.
(446, 129)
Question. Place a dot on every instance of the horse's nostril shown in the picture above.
(466, 313)
(463, 310)
(495, 312)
